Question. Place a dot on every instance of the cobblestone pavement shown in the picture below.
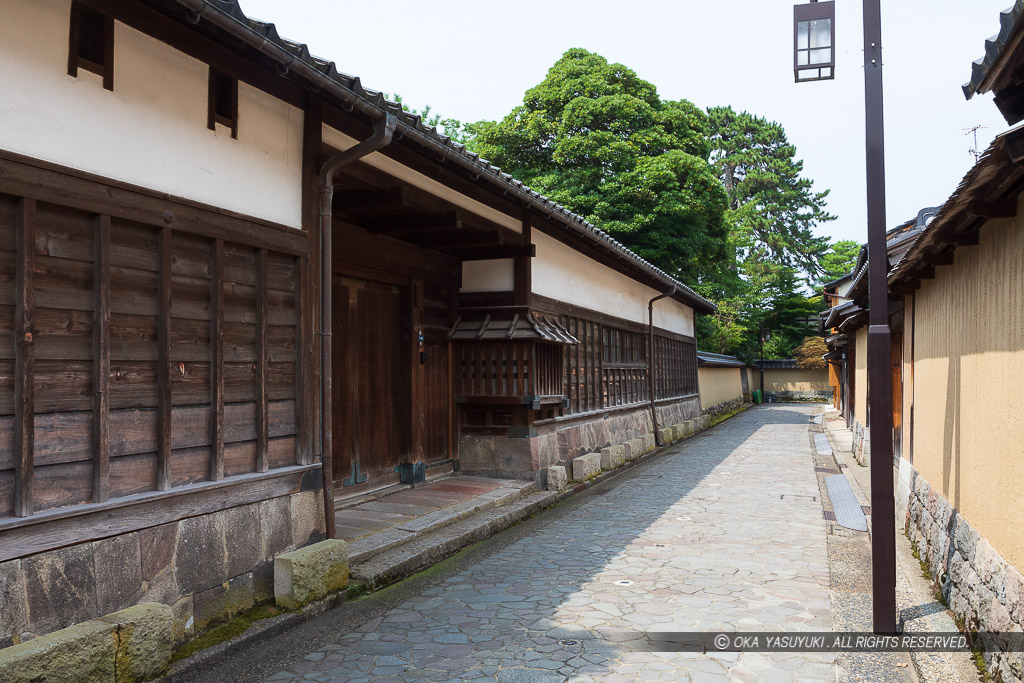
(724, 532)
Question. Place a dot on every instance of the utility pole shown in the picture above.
(883, 506)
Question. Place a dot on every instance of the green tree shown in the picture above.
(772, 209)
(596, 138)
(839, 260)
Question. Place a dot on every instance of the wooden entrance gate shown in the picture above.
(392, 403)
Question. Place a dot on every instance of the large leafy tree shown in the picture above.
(597, 139)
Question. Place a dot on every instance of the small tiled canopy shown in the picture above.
(515, 327)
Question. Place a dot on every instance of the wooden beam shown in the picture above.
(942, 258)
(217, 359)
(924, 273)
(262, 366)
(413, 223)
(371, 202)
(999, 208)
(491, 253)
(307, 291)
(101, 361)
(163, 370)
(24, 357)
(524, 269)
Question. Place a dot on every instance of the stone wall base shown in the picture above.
(560, 442)
(205, 568)
(861, 444)
(723, 408)
(983, 590)
(801, 395)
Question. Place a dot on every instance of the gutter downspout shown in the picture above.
(383, 131)
(650, 360)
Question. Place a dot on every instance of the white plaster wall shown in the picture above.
(488, 276)
(562, 273)
(338, 140)
(151, 130)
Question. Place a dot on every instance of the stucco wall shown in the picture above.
(562, 273)
(796, 380)
(860, 384)
(488, 276)
(968, 368)
(719, 385)
(152, 129)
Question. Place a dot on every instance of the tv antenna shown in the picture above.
(973, 130)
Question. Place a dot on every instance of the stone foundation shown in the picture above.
(861, 444)
(823, 395)
(717, 411)
(204, 568)
(983, 590)
(559, 442)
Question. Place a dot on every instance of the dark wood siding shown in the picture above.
(132, 340)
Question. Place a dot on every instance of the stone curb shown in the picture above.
(421, 553)
(363, 549)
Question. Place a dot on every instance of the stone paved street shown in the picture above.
(725, 532)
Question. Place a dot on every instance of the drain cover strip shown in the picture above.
(821, 444)
(848, 511)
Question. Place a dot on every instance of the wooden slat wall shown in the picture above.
(136, 358)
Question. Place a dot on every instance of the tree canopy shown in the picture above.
(839, 260)
(597, 139)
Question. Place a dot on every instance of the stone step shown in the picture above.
(403, 560)
(367, 547)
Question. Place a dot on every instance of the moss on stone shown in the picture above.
(226, 630)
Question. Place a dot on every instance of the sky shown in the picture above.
(474, 60)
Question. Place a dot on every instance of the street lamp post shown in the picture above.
(883, 506)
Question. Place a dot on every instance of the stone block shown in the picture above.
(965, 539)
(557, 478)
(613, 456)
(61, 587)
(275, 516)
(143, 640)
(199, 557)
(586, 466)
(666, 435)
(84, 652)
(307, 517)
(157, 549)
(119, 565)
(635, 448)
(184, 625)
(310, 573)
(690, 426)
(13, 605)
(242, 526)
(649, 442)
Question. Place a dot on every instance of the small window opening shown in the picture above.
(91, 44)
(223, 102)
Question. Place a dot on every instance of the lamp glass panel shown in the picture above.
(805, 74)
(821, 56)
(802, 35)
(801, 58)
(821, 32)
(826, 72)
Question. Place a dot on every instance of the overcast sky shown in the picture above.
(474, 60)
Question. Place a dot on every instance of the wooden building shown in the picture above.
(956, 292)
(167, 421)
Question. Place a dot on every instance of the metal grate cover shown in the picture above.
(848, 511)
(821, 444)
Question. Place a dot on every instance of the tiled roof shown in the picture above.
(1009, 22)
(294, 56)
(708, 359)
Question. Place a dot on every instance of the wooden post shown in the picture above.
(302, 453)
(24, 358)
(101, 361)
(163, 370)
(262, 366)
(217, 359)
(523, 265)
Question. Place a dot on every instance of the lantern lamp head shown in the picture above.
(814, 40)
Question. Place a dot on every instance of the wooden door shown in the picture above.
(370, 383)
(896, 353)
(437, 402)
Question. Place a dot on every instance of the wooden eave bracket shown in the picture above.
(998, 208)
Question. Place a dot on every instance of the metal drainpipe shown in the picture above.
(650, 360)
(383, 131)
